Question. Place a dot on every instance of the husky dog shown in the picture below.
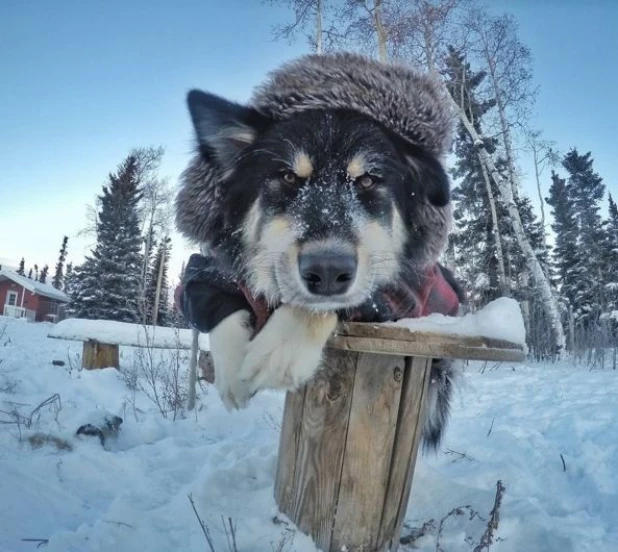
(323, 199)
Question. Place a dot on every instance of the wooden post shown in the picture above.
(99, 355)
(350, 438)
(193, 370)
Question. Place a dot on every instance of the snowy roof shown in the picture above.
(45, 290)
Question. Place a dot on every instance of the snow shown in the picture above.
(512, 423)
(124, 333)
(500, 319)
(46, 290)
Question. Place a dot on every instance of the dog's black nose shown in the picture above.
(327, 273)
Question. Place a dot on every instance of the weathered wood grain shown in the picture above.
(97, 355)
(368, 451)
(416, 380)
(430, 347)
(313, 442)
(288, 449)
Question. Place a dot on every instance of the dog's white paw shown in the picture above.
(287, 352)
(228, 344)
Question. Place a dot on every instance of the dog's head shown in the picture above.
(327, 186)
(323, 206)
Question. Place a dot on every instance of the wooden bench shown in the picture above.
(102, 339)
(350, 438)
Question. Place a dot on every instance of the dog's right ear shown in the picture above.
(223, 128)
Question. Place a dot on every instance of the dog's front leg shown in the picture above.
(287, 352)
(228, 346)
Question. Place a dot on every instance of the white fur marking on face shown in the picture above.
(266, 252)
(228, 344)
(399, 232)
(380, 249)
(287, 352)
(357, 166)
(302, 165)
(251, 225)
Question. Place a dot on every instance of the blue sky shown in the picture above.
(84, 82)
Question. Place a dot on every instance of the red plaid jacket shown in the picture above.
(207, 295)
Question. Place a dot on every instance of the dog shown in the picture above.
(325, 199)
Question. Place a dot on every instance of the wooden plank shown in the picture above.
(407, 441)
(368, 448)
(321, 447)
(288, 450)
(400, 333)
(99, 355)
(430, 348)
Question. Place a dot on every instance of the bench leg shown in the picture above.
(99, 355)
(348, 449)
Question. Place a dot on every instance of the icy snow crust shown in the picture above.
(133, 496)
(500, 319)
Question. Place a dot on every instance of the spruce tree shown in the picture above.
(106, 286)
(565, 251)
(20, 269)
(36, 272)
(43, 275)
(58, 278)
(586, 190)
(30, 274)
(610, 258)
(68, 279)
(474, 240)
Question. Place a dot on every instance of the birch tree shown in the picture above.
(434, 23)
(544, 155)
(309, 17)
(508, 64)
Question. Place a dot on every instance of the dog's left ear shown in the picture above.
(427, 171)
(223, 128)
(430, 176)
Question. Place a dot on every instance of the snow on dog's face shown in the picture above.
(321, 208)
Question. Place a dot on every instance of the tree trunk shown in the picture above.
(537, 175)
(504, 287)
(380, 31)
(506, 193)
(144, 275)
(508, 144)
(193, 369)
(318, 28)
(155, 309)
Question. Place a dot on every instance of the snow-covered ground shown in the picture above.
(516, 424)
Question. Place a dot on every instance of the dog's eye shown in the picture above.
(290, 177)
(366, 181)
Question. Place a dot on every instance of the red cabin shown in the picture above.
(22, 297)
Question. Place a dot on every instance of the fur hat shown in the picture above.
(409, 104)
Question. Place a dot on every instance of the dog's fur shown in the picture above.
(309, 169)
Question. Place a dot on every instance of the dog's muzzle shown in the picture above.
(327, 272)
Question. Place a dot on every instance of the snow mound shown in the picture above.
(500, 319)
(124, 333)
(548, 432)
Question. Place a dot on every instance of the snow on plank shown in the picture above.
(496, 332)
(126, 334)
(501, 320)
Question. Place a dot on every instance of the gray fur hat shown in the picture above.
(409, 104)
